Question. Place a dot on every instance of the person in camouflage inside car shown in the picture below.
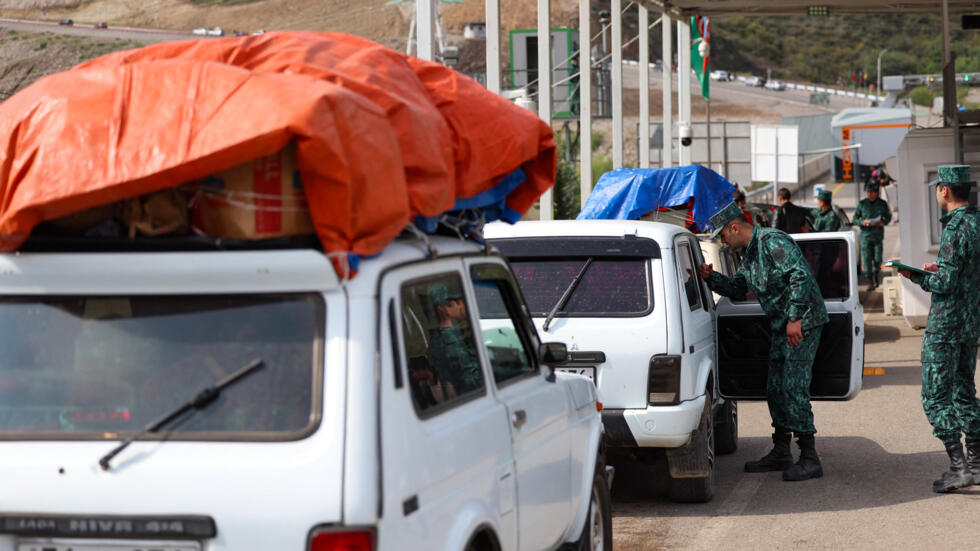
(824, 217)
(450, 353)
(949, 345)
(872, 214)
(774, 269)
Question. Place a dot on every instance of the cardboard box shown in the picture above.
(260, 199)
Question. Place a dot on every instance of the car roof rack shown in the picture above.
(191, 243)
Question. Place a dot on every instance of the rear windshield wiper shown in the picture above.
(201, 400)
(566, 295)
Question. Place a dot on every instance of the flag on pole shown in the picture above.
(700, 31)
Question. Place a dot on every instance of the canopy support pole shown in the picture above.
(684, 84)
(585, 99)
(644, 87)
(544, 87)
(667, 153)
(616, 13)
(493, 45)
(425, 14)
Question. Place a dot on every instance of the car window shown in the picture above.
(439, 345)
(687, 277)
(610, 287)
(98, 367)
(505, 341)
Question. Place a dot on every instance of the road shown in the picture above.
(879, 460)
(146, 36)
(737, 92)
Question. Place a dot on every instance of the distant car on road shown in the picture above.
(101, 25)
(66, 22)
(258, 32)
(775, 85)
(721, 75)
(754, 81)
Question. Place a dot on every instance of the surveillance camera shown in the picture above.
(686, 135)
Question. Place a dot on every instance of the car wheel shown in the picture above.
(597, 532)
(700, 489)
(726, 428)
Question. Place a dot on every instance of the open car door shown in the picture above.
(744, 334)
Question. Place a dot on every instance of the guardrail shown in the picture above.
(803, 87)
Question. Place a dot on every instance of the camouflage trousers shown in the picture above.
(949, 395)
(788, 387)
(871, 246)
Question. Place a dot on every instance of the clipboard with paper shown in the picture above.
(900, 266)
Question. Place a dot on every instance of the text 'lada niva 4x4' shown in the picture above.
(668, 361)
(336, 415)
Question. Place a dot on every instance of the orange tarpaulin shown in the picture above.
(380, 137)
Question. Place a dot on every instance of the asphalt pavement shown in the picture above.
(879, 459)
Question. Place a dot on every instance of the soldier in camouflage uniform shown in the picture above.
(451, 354)
(872, 214)
(949, 346)
(774, 269)
(824, 218)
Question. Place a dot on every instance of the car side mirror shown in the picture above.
(552, 353)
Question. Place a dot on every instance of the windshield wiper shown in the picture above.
(201, 400)
(566, 295)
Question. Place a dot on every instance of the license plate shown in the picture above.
(105, 545)
(587, 372)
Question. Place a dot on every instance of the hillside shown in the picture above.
(825, 50)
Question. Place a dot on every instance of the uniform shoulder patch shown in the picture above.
(778, 253)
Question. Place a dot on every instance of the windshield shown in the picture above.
(611, 287)
(97, 367)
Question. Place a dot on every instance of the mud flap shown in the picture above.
(691, 459)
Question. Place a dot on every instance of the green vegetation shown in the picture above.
(42, 45)
(566, 191)
(829, 50)
(921, 95)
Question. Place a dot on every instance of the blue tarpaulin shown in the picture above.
(629, 193)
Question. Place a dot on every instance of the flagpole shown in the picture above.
(707, 104)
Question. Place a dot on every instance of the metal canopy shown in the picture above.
(680, 8)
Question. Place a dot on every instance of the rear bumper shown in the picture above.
(653, 427)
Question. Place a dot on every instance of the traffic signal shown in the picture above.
(932, 79)
(966, 77)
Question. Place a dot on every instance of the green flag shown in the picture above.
(700, 34)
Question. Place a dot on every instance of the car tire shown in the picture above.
(597, 533)
(726, 428)
(700, 489)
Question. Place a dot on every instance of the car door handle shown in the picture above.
(519, 418)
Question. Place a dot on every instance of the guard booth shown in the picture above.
(878, 130)
(565, 63)
(919, 155)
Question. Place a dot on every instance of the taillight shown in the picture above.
(343, 540)
(664, 380)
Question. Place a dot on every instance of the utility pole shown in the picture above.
(878, 92)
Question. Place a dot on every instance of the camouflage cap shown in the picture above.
(729, 212)
(952, 174)
(440, 293)
(825, 195)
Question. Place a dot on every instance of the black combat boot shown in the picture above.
(957, 476)
(973, 459)
(809, 464)
(779, 459)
